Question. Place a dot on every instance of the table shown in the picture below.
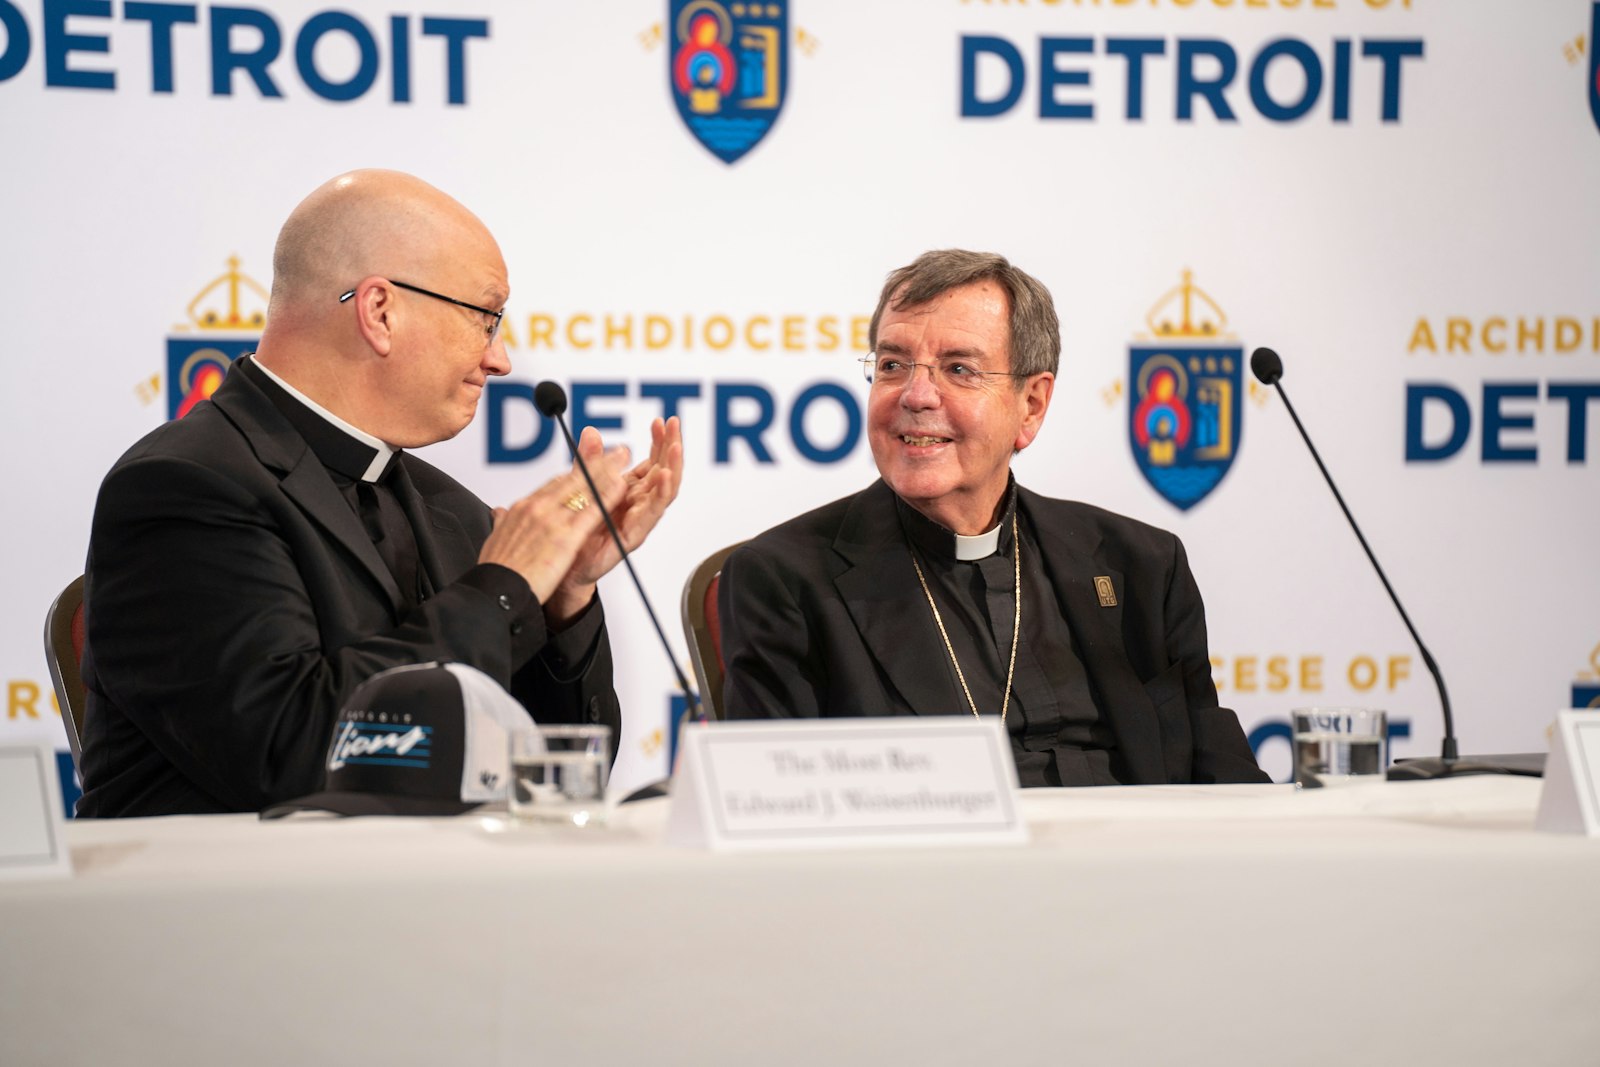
(1398, 922)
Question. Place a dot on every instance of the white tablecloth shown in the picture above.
(1409, 922)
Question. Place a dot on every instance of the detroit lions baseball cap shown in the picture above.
(423, 739)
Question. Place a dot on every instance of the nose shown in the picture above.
(495, 360)
(920, 393)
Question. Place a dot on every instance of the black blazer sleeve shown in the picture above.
(227, 625)
(776, 667)
(1219, 751)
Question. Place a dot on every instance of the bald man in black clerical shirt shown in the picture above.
(945, 588)
(253, 563)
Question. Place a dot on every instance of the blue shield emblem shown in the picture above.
(1184, 416)
(728, 67)
(195, 368)
(1594, 64)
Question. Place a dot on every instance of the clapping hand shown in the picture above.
(641, 497)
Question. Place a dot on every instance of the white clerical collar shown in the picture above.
(978, 546)
(380, 461)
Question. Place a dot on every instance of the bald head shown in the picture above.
(396, 359)
(366, 222)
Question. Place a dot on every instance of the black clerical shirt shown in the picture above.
(367, 477)
(378, 491)
(1058, 735)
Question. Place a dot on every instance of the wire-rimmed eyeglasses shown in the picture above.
(892, 371)
(494, 316)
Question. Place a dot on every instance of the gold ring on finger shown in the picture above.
(575, 502)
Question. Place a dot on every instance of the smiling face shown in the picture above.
(441, 367)
(946, 449)
(442, 356)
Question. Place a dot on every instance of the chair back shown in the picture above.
(63, 650)
(703, 628)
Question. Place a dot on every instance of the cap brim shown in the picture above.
(371, 804)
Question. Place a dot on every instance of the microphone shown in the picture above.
(1268, 369)
(551, 400)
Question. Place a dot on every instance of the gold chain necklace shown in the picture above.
(1016, 624)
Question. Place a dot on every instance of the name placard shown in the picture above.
(31, 842)
(1569, 802)
(853, 783)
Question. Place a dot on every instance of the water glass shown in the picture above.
(558, 774)
(1338, 746)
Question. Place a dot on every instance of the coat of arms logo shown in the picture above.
(728, 66)
(1184, 408)
(227, 315)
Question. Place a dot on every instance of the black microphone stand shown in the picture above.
(552, 401)
(1268, 368)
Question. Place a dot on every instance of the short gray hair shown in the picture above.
(1035, 330)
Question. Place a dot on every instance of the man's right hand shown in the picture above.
(540, 535)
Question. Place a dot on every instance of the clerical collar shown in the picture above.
(340, 446)
(941, 543)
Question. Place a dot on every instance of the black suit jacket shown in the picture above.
(823, 616)
(234, 600)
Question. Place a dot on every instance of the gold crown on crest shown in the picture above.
(1186, 310)
(219, 306)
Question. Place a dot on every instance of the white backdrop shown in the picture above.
(1343, 242)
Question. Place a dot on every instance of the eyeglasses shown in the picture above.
(494, 316)
(892, 372)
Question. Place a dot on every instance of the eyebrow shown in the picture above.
(970, 354)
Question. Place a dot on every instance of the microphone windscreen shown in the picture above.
(550, 399)
(1266, 366)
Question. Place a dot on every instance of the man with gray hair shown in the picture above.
(946, 588)
(253, 563)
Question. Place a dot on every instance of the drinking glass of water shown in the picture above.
(1337, 746)
(558, 774)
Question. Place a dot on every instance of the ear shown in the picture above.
(1035, 401)
(376, 307)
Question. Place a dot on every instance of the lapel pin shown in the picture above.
(1106, 591)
